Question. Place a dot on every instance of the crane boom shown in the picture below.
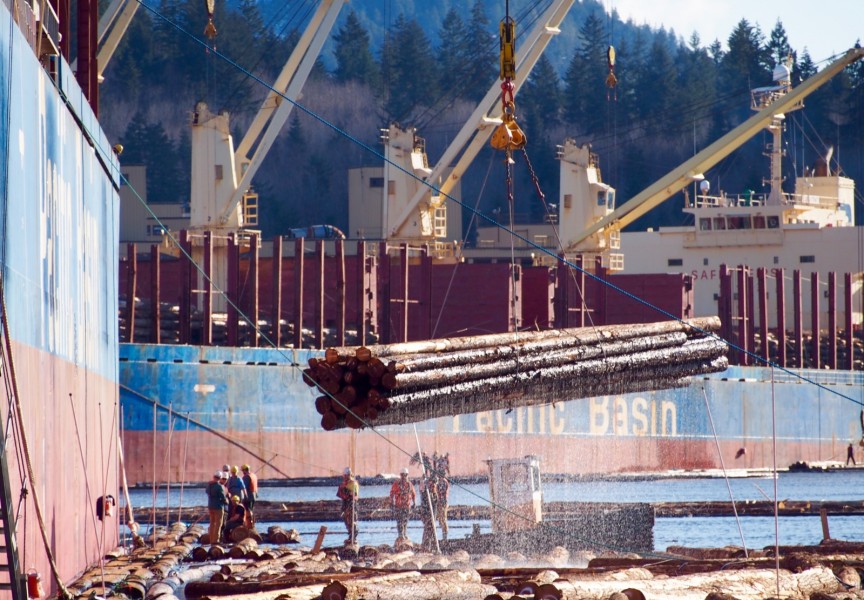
(479, 126)
(679, 177)
(275, 111)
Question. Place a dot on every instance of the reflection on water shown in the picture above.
(706, 532)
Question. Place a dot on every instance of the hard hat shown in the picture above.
(245, 467)
(226, 467)
(347, 470)
(235, 498)
(234, 469)
(218, 474)
(404, 471)
(223, 475)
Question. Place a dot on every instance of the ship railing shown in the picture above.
(726, 200)
(24, 14)
(812, 200)
(50, 30)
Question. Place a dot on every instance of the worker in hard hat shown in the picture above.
(349, 493)
(236, 516)
(402, 500)
(250, 480)
(236, 487)
(216, 501)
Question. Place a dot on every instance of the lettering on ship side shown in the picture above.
(526, 419)
(606, 415)
(636, 416)
(715, 273)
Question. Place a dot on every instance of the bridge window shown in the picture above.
(739, 222)
(705, 224)
(773, 222)
(719, 223)
(376, 182)
(808, 258)
(675, 262)
(759, 222)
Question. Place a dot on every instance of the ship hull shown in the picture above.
(60, 227)
(259, 411)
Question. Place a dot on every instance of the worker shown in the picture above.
(850, 454)
(236, 487)
(217, 499)
(402, 500)
(442, 495)
(428, 503)
(250, 480)
(236, 516)
(349, 493)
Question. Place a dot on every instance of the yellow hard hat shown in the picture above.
(235, 498)
(245, 467)
(234, 469)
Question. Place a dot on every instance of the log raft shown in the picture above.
(415, 381)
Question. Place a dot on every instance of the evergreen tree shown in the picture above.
(481, 55)
(354, 60)
(778, 44)
(743, 67)
(408, 68)
(453, 55)
(585, 102)
(147, 144)
(803, 68)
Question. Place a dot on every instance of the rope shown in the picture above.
(725, 474)
(83, 461)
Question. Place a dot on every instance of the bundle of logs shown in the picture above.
(415, 381)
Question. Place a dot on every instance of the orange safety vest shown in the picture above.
(402, 493)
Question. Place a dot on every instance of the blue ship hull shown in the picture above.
(242, 405)
(59, 204)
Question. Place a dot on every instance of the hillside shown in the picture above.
(426, 64)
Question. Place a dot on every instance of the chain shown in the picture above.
(534, 179)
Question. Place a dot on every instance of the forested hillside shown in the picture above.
(428, 69)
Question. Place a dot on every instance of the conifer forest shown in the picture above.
(427, 67)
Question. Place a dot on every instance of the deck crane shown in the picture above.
(411, 212)
(221, 201)
(586, 232)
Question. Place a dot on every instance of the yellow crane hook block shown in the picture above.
(508, 135)
(508, 49)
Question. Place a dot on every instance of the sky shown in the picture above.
(824, 27)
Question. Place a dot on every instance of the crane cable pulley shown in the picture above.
(508, 135)
(611, 80)
(210, 29)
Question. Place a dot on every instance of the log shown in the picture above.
(245, 544)
(518, 361)
(585, 335)
(527, 389)
(411, 584)
(277, 535)
(753, 584)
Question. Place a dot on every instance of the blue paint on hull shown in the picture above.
(254, 392)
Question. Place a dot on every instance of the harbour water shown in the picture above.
(706, 532)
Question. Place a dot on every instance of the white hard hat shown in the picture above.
(347, 470)
(218, 474)
(404, 471)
